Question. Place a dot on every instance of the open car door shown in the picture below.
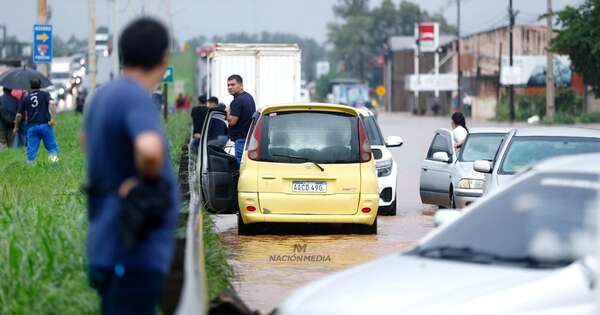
(219, 171)
(435, 169)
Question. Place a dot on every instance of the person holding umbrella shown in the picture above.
(40, 110)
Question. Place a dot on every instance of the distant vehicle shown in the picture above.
(271, 72)
(303, 163)
(525, 249)
(351, 92)
(447, 176)
(525, 147)
(103, 44)
(387, 169)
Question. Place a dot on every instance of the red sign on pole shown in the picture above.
(428, 36)
(427, 32)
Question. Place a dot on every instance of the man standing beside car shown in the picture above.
(240, 113)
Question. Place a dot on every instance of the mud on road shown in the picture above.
(269, 267)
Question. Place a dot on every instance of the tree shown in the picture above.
(363, 33)
(347, 8)
(352, 43)
(386, 23)
(579, 38)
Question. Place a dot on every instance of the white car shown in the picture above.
(387, 169)
(523, 148)
(447, 176)
(525, 249)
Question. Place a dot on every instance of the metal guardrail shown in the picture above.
(194, 297)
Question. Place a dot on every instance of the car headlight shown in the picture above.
(384, 168)
(466, 183)
(61, 91)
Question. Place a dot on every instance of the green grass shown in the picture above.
(43, 224)
(184, 66)
(43, 227)
(218, 270)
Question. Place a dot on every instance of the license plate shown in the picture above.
(309, 187)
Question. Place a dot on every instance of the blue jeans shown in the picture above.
(239, 149)
(136, 291)
(37, 132)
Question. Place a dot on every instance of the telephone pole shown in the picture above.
(115, 35)
(92, 46)
(511, 90)
(549, 66)
(459, 70)
(42, 18)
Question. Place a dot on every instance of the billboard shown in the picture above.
(531, 71)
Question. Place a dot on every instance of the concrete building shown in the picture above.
(481, 61)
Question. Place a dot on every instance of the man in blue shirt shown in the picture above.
(40, 111)
(133, 197)
(240, 113)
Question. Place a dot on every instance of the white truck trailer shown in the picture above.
(271, 72)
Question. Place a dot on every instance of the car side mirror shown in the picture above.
(445, 216)
(483, 166)
(393, 141)
(441, 157)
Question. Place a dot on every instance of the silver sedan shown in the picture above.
(447, 176)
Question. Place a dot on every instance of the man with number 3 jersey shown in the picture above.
(40, 111)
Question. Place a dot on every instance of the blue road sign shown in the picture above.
(42, 43)
(168, 76)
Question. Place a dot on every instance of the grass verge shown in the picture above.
(43, 227)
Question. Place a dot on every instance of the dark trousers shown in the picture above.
(137, 291)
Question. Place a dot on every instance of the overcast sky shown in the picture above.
(216, 17)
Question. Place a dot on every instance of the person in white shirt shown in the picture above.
(459, 129)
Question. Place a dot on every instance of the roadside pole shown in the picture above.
(549, 66)
(166, 101)
(92, 46)
(42, 10)
(416, 66)
(115, 33)
(459, 69)
(511, 88)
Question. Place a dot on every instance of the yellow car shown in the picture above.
(305, 163)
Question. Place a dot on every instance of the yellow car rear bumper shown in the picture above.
(251, 199)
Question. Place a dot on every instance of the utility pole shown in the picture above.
(115, 34)
(459, 70)
(92, 45)
(549, 66)
(511, 90)
(42, 18)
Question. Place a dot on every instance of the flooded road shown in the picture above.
(265, 269)
(268, 267)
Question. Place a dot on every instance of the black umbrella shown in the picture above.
(19, 78)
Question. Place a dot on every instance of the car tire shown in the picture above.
(367, 229)
(388, 210)
(244, 229)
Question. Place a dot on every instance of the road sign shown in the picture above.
(380, 91)
(168, 76)
(428, 35)
(42, 43)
